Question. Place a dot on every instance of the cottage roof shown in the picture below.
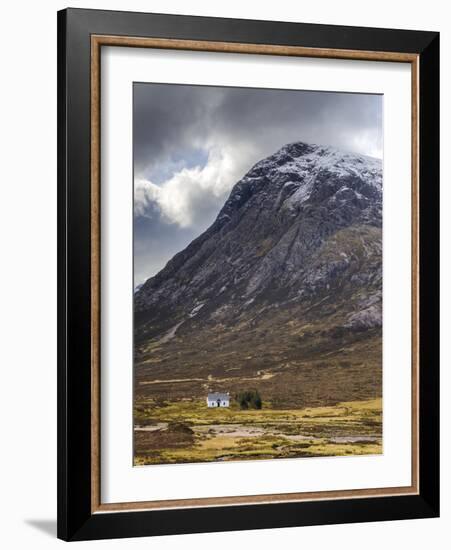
(216, 395)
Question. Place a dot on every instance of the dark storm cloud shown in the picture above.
(155, 243)
(169, 119)
(192, 143)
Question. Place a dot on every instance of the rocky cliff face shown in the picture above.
(292, 264)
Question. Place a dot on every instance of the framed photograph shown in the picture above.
(248, 274)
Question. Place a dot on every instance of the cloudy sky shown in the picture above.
(193, 143)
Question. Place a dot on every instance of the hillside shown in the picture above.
(282, 293)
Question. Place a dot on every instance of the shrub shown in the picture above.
(249, 399)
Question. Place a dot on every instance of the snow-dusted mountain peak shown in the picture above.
(308, 159)
(269, 237)
(300, 173)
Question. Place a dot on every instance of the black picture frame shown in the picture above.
(76, 521)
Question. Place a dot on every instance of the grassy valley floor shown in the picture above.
(187, 430)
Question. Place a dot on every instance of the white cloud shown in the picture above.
(187, 197)
(365, 142)
(146, 193)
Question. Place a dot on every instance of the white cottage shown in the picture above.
(218, 400)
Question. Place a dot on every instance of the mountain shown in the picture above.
(283, 292)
